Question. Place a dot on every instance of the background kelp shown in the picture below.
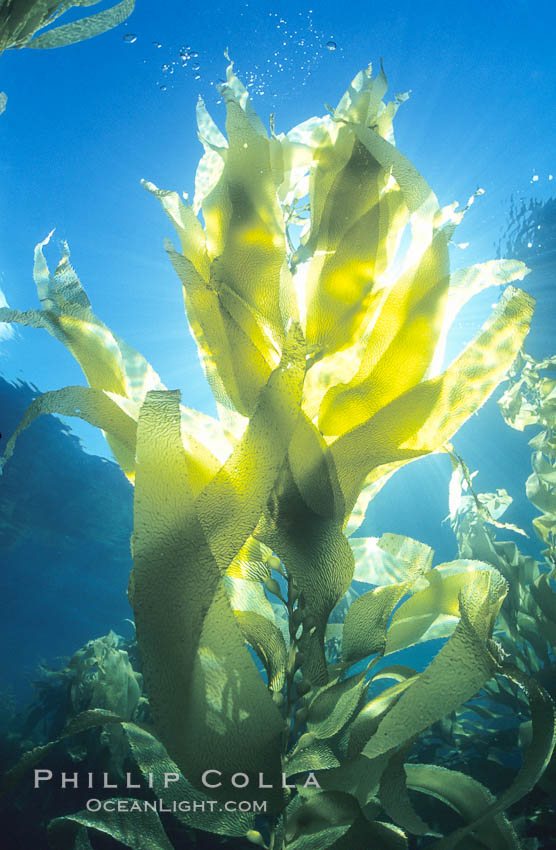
(323, 342)
(21, 20)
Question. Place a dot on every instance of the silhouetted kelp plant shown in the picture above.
(323, 343)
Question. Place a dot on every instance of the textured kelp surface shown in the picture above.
(323, 342)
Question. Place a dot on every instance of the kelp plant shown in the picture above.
(319, 293)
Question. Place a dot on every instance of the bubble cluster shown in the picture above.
(294, 49)
(297, 47)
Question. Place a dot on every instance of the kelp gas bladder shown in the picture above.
(323, 342)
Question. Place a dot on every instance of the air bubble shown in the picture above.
(156, 44)
(130, 38)
(331, 45)
(195, 66)
(163, 88)
(197, 77)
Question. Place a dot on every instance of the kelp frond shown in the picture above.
(319, 292)
(21, 20)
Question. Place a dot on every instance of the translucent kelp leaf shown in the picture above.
(230, 505)
(359, 221)
(108, 363)
(389, 559)
(188, 227)
(84, 28)
(423, 419)
(368, 719)
(413, 556)
(125, 823)
(367, 619)
(96, 408)
(3, 101)
(362, 102)
(401, 345)
(468, 797)
(243, 220)
(437, 604)
(207, 699)
(468, 282)
(268, 643)
(334, 705)
(251, 562)
(247, 595)
(156, 765)
(461, 667)
(21, 19)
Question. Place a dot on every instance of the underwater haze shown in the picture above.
(83, 125)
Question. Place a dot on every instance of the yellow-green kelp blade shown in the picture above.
(461, 667)
(208, 701)
(318, 558)
(425, 417)
(94, 407)
(356, 239)
(86, 27)
(109, 363)
(401, 345)
(21, 19)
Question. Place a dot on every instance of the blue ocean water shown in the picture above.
(84, 124)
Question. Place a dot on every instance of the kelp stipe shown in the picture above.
(323, 345)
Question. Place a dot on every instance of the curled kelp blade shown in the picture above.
(268, 642)
(20, 20)
(93, 406)
(113, 368)
(108, 363)
(536, 759)
(466, 796)
(432, 612)
(461, 667)
(121, 818)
